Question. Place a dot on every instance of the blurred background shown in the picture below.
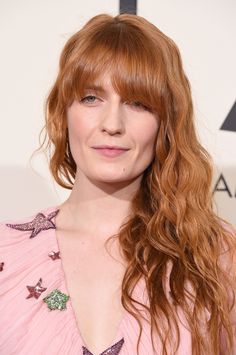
(32, 35)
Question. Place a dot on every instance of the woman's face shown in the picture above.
(101, 118)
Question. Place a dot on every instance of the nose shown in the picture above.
(113, 120)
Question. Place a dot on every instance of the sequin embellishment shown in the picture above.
(56, 300)
(35, 291)
(113, 350)
(38, 224)
(1, 266)
(54, 255)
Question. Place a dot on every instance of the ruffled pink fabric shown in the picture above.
(27, 326)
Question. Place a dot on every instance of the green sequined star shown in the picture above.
(56, 300)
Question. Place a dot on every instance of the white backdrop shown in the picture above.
(32, 34)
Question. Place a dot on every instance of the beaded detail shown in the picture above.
(56, 300)
(54, 255)
(113, 350)
(38, 224)
(35, 291)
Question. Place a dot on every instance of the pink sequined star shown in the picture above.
(113, 350)
(35, 291)
(54, 255)
(38, 224)
(1, 266)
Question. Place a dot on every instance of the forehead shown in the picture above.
(101, 83)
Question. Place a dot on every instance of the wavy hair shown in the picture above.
(172, 221)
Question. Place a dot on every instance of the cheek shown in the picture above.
(78, 128)
(74, 131)
(146, 137)
(74, 138)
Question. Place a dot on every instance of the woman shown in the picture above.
(135, 261)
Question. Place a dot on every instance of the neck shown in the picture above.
(98, 209)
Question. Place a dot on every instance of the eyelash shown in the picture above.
(84, 99)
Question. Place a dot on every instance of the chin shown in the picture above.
(110, 179)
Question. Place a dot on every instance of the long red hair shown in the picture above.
(172, 220)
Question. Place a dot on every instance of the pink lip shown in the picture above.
(110, 147)
(110, 152)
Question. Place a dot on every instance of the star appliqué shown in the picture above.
(113, 350)
(56, 300)
(38, 224)
(35, 291)
(54, 255)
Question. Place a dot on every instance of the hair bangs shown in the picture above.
(129, 58)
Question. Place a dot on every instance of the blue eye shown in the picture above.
(87, 98)
(140, 105)
(137, 104)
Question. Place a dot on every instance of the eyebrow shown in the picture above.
(97, 88)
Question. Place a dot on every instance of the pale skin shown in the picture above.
(99, 203)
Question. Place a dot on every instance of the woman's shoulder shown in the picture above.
(16, 235)
(33, 223)
(30, 271)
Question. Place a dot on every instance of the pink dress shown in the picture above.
(36, 314)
